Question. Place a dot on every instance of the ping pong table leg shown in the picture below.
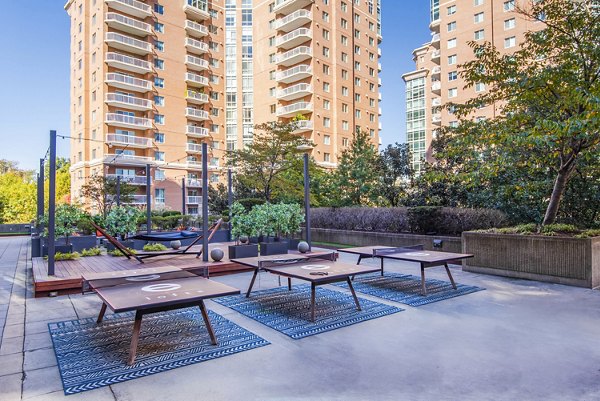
(359, 259)
(252, 283)
(101, 314)
(381, 265)
(450, 275)
(211, 332)
(289, 284)
(423, 288)
(137, 324)
(312, 301)
(353, 294)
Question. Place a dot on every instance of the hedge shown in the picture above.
(417, 220)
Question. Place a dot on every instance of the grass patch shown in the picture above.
(65, 256)
(91, 252)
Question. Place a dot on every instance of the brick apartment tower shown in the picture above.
(150, 82)
(435, 80)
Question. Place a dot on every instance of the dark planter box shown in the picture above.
(243, 251)
(82, 242)
(273, 248)
(562, 260)
(58, 248)
(36, 243)
(293, 243)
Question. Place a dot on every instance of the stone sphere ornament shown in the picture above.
(175, 244)
(244, 239)
(216, 254)
(303, 247)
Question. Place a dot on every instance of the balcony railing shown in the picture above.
(288, 6)
(127, 43)
(126, 82)
(129, 140)
(436, 86)
(128, 63)
(195, 46)
(294, 56)
(193, 147)
(294, 108)
(293, 38)
(196, 9)
(127, 24)
(122, 158)
(126, 101)
(122, 120)
(294, 92)
(129, 179)
(192, 130)
(193, 182)
(295, 73)
(195, 79)
(194, 200)
(436, 118)
(302, 126)
(195, 63)
(195, 114)
(294, 20)
(131, 7)
(194, 28)
(435, 54)
(196, 97)
(139, 200)
(436, 101)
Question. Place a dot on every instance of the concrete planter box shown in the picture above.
(243, 251)
(365, 238)
(273, 248)
(562, 260)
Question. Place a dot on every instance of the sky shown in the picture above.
(35, 89)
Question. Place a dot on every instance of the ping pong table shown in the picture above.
(153, 290)
(414, 253)
(317, 269)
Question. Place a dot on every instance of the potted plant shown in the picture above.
(294, 217)
(121, 221)
(241, 226)
(66, 218)
(272, 220)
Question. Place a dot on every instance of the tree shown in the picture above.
(218, 201)
(396, 173)
(63, 180)
(17, 197)
(548, 93)
(101, 192)
(356, 179)
(273, 151)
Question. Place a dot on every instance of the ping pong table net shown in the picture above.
(331, 256)
(402, 249)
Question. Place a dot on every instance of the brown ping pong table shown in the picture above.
(317, 269)
(154, 290)
(414, 253)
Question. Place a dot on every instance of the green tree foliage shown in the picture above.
(122, 220)
(396, 174)
(101, 193)
(217, 199)
(356, 180)
(17, 194)
(273, 151)
(63, 180)
(548, 128)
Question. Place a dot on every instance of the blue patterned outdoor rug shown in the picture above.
(406, 289)
(289, 311)
(91, 356)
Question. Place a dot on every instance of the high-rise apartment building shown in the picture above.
(152, 81)
(436, 81)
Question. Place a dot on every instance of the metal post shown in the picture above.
(183, 196)
(40, 204)
(205, 202)
(51, 203)
(307, 200)
(229, 191)
(148, 200)
(118, 190)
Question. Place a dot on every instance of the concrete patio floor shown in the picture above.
(518, 340)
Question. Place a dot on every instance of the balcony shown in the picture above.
(128, 140)
(193, 183)
(294, 38)
(435, 54)
(129, 179)
(128, 160)
(195, 29)
(288, 6)
(139, 200)
(193, 165)
(126, 24)
(436, 101)
(193, 148)
(436, 70)
(128, 102)
(196, 132)
(436, 119)
(302, 126)
(195, 63)
(436, 87)
(293, 21)
(294, 92)
(195, 114)
(294, 74)
(131, 7)
(123, 81)
(128, 63)
(195, 80)
(435, 25)
(195, 46)
(124, 121)
(435, 40)
(194, 200)
(127, 43)
(294, 56)
(294, 109)
(196, 9)
(196, 97)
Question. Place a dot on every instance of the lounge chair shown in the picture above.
(144, 255)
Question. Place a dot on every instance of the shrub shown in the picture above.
(117, 253)
(91, 252)
(589, 233)
(554, 229)
(155, 247)
(249, 203)
(65, 256)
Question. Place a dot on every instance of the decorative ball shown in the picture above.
(175, 244)
(303, 247)
(216, 254)
(244, 239)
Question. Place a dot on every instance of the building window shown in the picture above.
(452, 59)
(159, 137)
(159, 195)
(452, 76)
(509, 5)
(159, 175)
(159, 9)
(510, 42)
(479, 87)
(325, 69)
(325, 34)
(451, 43)
(159, 100)
(344, 91)
(477, 2)
(509, 24)
(344, 142)
(159, 64)
(325, 51)
(451, 10)
(326, 140)
(326, 157)
(325, 16)
(326, 122)
(344, 40)
(452, 26)
(159, 119)
(325, 86)
(479, 34)
(158, 27)
(160, 46)
(326, 104)
(159, 156)
(159, 82)
(345, 125)
(478, 18)
(452, 92)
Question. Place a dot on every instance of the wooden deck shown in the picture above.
(67, 277)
